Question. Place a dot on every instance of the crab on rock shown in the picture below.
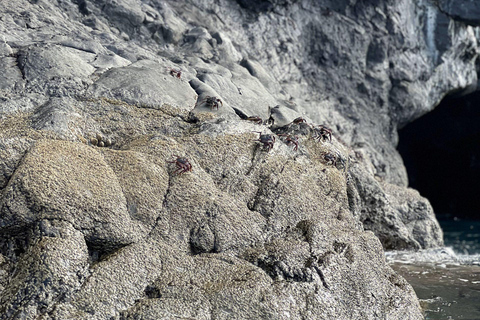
(255, 119)
(298, 120)
(183, 165)
(212, 102)
(291, 140)
(329, 158)
(176, 73)
(267, 140)
(322, 133)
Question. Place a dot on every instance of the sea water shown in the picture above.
(446, 280)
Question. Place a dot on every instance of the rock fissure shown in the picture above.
(20, 59)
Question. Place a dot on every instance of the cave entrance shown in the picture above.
(441, 152)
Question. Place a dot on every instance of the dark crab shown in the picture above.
(291, 140)
(298, 121)
(270, 121)
(256, 120)
(267, 140)
(212, 102)
(322, 133)
(183, 165)
(329, 158)
(176, 73)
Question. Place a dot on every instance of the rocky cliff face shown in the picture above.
(104, 104)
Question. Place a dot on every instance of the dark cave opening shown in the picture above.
(441, 152)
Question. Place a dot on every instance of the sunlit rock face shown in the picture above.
(104, 103)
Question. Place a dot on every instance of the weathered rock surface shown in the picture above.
(113, 232)
(94, 222)
(68, 181)
(146, 83)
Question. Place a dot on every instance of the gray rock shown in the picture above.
(108, 61)
(416, 214)
(239, 89)
(394, 213)
(142, 179)
(235, 87)
(56, 69)
(283, 116)
(58, 115)
(74, 185)
(202, 239)
(165, 24)
(11, 77)
(52, 268)
(257, 213)
(5, 50)
(145, 83)
(126, 15)
(12, 151)
(209, 102)
(225, 48)
(259, 72)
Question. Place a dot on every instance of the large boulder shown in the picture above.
(59, 180)
(146, 83)
(127, 236)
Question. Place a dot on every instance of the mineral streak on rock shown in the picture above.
(109, 233)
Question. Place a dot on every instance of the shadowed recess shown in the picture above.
(441, 151)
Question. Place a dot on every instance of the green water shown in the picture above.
(447, 281)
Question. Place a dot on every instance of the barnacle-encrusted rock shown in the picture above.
(57, 257)
(68, 181)
(242, 238)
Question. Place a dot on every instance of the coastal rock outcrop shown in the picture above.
(295, 189)
(115, 232)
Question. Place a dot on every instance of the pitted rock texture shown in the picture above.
(115, 232)
(95, 224)
(60, 180)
